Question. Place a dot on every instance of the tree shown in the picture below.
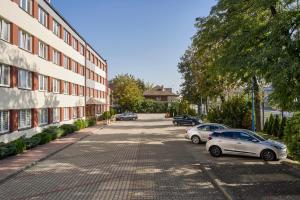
(126, 92)
(282, 127)
(270, 125)
(276, 126)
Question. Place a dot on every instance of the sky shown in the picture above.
(145, 38)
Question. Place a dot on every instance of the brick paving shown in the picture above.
(128, 160)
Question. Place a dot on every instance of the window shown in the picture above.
(66, 36)
(80, 112)
(74, 66)
(26, 5)
(43, 50)
(56, 115)
(73, 89)
(66, 114)
(80, 90)
(25, 41)
(74, 113)
(74, 43)
(56, 57)
(56, 28)
(24, 79)
(4, 30)
(4, 75)
(43, 83)
(66, 62)
(56, 86)
(24, 118)
(228, 135)
(4, 121)
(81, 49)
(43, 17)
(66, 88)
(43, 116)
(244, 136)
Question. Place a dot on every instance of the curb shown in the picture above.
(43, 158)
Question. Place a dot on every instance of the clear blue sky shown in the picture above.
(145, 38)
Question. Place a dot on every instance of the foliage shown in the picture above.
(7, 150)
(32, 142)
(45, 137)
(80, 124)
(65, 129)
(270, 125)
(106, 115)
(91, 121)
(276, 126)
(292, 136)
(282, 127)
(127, 92)
(20, 145)
(266, 126)
(235, 112)
(112, 112)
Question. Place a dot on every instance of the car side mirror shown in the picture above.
(254, 140)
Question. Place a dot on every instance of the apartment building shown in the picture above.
(49, 74)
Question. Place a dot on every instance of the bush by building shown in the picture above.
(292, 136)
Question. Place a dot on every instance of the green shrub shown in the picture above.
(91, 122)
(45, 137)
(270, 124)
(276, 126)
(66, 129)
(20, 145)
(282, 126)
(112, 112)
(106, 115)
(7, 150)
(292, 136)
(266, 126)
(32, 142)
(80, 124)
(235, 112)
(192, 112)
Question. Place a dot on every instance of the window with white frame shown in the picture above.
(81, 49)
(56, 57)
(4, 121)
(4, 30)
(66, 114)
(56, 86)
(74, 66)
(56, 115)
(74, 43)
(56, 28)
(43, 116)
(26, 5)
(4, 75)
(25, 40)
(43, 17)
(43, 83)
(73, 89)
(43, 50)
(24, 118)
(74, 113)
(66, 62)
(66, 36)
(66, 87)
(24, 79)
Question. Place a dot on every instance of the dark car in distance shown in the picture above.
(127, 116)
(186, 120)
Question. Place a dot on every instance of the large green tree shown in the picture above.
(126, 91)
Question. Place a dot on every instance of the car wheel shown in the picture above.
(196, 140)
(175, 123)
(193, 124)
(268, 155)
(215, 151)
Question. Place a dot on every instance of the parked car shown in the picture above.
(186, 120)
(246, 143)
(200, 133)
(126, 116)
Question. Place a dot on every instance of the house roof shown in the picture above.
(93, 101)
(159, 91)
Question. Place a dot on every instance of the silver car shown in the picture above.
(246, 143)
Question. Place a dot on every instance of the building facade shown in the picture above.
(48, 72)
(160, 93)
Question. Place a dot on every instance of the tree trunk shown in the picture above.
(257, 102)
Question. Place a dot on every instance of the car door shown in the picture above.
(204, 131)
(246, 144)
(227, 141)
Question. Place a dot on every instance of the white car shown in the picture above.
(246, 143)
(200, 133)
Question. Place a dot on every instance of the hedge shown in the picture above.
(292, 136)
(47, 135)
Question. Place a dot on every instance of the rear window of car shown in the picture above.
(227, 134)
(215, 134)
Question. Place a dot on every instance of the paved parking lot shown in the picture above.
(149, 159)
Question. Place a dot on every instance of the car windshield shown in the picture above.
(255, 135)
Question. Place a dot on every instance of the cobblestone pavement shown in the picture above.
(150, 159)
(128, 160)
